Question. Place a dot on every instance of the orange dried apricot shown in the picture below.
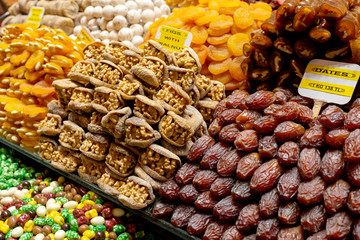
(209, 16)
(214, 5)
(243, 18)
(45, 100)
(192, 13)
(34, 112)
(187, 27)
(230, 3)
(204, 1)
(227, 10)
(62, 61)
(29, 99)
(53, 68)
(35, 61)
(14, 109)
(223, 77)
(235, 69)
(201, 51)
(235, 85)
(20, 58)
(34, 76)
(75, 56)
(205, 70)
(236, 42)
(221, 22)
(5, 69)
(175, 23)
(199, 34)
(217, 33)
(260, 14)
(218, 52)
(219, 67)
(218, 40)
(18, 72)
(260, 5)
(26, 87)
(42, 89)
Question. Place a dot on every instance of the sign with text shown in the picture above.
(173, 39)
(35, 16)
(329, 81)
(85, 36)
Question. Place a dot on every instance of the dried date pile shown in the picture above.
(269, 170)
(298, 31)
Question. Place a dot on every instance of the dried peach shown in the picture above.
(219, 39)
(218, 52)
(209, 16)
(243, 18)
(220, 67)
(200, 34)
(236, 42)
(221, 22)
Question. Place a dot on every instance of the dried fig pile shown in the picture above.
(269, 170)
(127, 111)
(297, 32)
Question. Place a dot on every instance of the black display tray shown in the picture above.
(145, 214)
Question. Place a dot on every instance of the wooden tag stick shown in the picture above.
(318, 104)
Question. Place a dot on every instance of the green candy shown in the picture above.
(3, 157)
(48, 180)
(71, 234)
(8, 234)
(3, 185)
(58, 189)
(26, 236)
(123, 236)
(98, 201)
(92, 228)
(65, 214)
(119, 229)
(39, 221)
(36, 187)
(100, 228)
(36, 206)
(139, 234)
(74, 226)
(55, 227)
(85, 197)
(38, 174)
(15, 212)
(49, 221)
(62, 199)
(25, 199)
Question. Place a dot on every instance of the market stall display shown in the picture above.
(31, 60)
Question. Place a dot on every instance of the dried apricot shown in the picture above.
(260, 5)
(199, 34)
(221, 22)
(260, 14)
(219, 52)
(217, 33)
(201, 51)
(235, 69)
(192, 13)
(219, 67)
(223, 77)
(219, 39)
(243, 18)
(236, 42)
(209, 16)
(42, 89)
(214, 5)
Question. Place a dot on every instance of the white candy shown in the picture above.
(125, 34)
(113, 35)
(50, 201)
(117, 2)
(108, 12)
(97, 221)
(147, 15)
(110, 26)
(165, 10)
(94, 28)
(119, 22)
(83, 21)
(47, 190)
(12, 190)
(41, 211)
(12, 208)
(4, 193)
(55, 184)
(70, 204)
(59, 235)
(19, 194)
(121, 10)
(92, 22)
(146, 26)
(128, 44)
(133, 16)
(96, 34)
(89, 12)
(95, 3)
(39, 236)
(105, 2)
(6, 200)
(98, 11)
(102, 23)
(158, 3)
(25, 191)
(77, 30)
(117, 212)
(157, 12)
(106, 41)
(131, 5)
(54, 206)
(17, 232)
(104, 35)
(137, 29)
(72, 36)
(145, 4)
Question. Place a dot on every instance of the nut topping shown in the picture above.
(71, 135)
(50, 125)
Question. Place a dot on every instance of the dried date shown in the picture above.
(354, 201)
(247, 141)
(241, 191)
(265, 124)
(186, 173)
(293, 233)
(203, 179)
(356, 230)
(247, 166)
(231, 234)
(268, 229)
(313, 137)
(289, 183)
(318, 236)
(305, 115)
(353, 173)
(215, 127)
(247, 119)
(220, 108)
(163, 209)
(269, 204)
(332, 117)
(198, 223)
(229, 133)
(237, 99)
(221, 187)
(272, 109)
(280, 98)
(248, 218)
(352, 119)
(332, 165)
(205, 202)
(313, 219)
(227, 165)
(215, 230)
(250, 237)
(288, 112)
(338, 226)
(288, 153)
(288, 130)
(311, 192)
(266, 176)
(289, 213)
(199, 148)
(188, 194)
(182, 215)
(227, 209)
(169, 190)
(267, 147)
(302, 100)
(336, 195)
(352, 147)
(229, 116)
(213, 155)
(309, 163)
(260, 100)
(336, 138)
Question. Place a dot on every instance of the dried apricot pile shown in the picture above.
(219, 30)
(31, 59)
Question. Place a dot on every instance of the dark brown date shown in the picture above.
(336, 138)
(247, 141)
(276, 61)
(289, 153)
(289, 213)
(266, 176)
(305, 48)
(213, 155)
(215, 127)
(309, 163)
(265, 124)
(198, 223)
(188, 194)
(227, 209)
(215, 230)
(267, 147)
(205, 202)
(169, 190)
(335, 196)
(241, 191)
(237, 99)
(313, 219)
(318, 236)
(289, 183)
(247, 118)
(352, 147)
(220, 108)
(305, 115)
(260, 100)
(247, 166)
(250, 237)
(356, 230)
(338, 226)
(332, 117)
(199, 148)
(272, 109)
(353, 173)
(311, 192)
(268, 229)
(248, 218)
(231, 234)
(293, 233)
(227, 165)
(280, 98)
(313, 137)
(163, 209)
(289, 93)
(288, 130)
(352, 119)
(302, 100)
(261, 58)
(229, 133)
(221, 187)
(354, 201)
(355, 104)
(182, 215)
(229, 116)
(332, 165)
(269, 204)
(284, 45)
(203, 179)
(288, 112)
(186, 173)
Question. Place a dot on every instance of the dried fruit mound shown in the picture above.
(219, 29)
(31, 59)
(297, 32)
(269, 170)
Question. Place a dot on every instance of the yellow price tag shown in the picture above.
(35, 16)
(85, 36)
(173, 39)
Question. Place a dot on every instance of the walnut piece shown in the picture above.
(96, 118)
(97, 148)
(217, 91)
(83, 68)
(174, 131)
(92, 169)
(110, 100)
(120, 162)
(202, 83)
(46, 150)
(49, 122)
(170, 96)
(134, 191)
(155, 66)
(128, 87)
(185, 60)
(81, 96)
(108, 74)
(65, 158)
(94, 52)
(71, 137)
(138, 132)
(112, 182)
(148, 112)
(116, 50)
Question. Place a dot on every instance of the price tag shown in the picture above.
(85, 36)
(35, 16)
(173, 39)
(329, 82)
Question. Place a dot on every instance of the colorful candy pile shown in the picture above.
(31, 59)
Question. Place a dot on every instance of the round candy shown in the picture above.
(17, 232)
(97, 221)
(100, 235)
(59, 235)
(39, 236)
(117, 212)
(41, 211)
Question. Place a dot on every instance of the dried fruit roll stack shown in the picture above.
(297, 32)
(269, 170)
(31, 60)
